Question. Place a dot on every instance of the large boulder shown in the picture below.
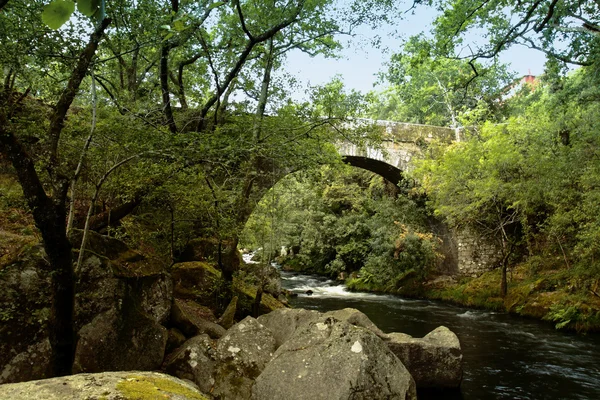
(112, 271)
(225, 368)
(199, 281)
(435, 361)
(356, 318)
(246, 293)
(332, 359)
(106, 386)
(195, 361)
(120, 340)
(113, 284)
(193, 319)
(28, 365)
(207, 249)
(25, 300)
(242, 355)
(284, 322)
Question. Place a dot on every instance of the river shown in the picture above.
(505, 357)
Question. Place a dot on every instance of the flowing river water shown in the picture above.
(505, 357)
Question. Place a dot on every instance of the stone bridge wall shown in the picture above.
(402, 143)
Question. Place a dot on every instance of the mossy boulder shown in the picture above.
(247, 294)
(208, 249)
(199, 281)
(113, 281)
(104, 386)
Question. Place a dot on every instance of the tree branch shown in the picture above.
(64, 103)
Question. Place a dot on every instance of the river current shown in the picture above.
(505, 357)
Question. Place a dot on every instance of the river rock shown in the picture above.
(196, 361)
(198, 281)
(106, 386)
(242, 355)
(332, 359)
(120, 340)
(207, 250)
(193, 319)
(435, 361)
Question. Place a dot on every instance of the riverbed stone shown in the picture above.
(333, 359)
(435, 361)
(105, 386)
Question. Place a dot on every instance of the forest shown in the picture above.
(158, 123)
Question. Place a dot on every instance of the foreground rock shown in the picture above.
(284, 322)
(106, 386)
(228, 367)
(435, 361)
(243, 354)
(333, 359)
(195, 361)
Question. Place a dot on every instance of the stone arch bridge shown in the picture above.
(465, 252)
(401, 144)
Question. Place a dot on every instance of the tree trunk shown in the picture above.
(50, 218)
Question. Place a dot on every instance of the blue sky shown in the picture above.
(360, 61)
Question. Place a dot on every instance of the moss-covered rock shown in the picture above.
(105, 386)
(199, 281)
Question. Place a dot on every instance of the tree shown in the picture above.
(476, 184)
(432, 90)
(568, 31)
(49, 205)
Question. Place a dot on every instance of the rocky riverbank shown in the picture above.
(134, 314)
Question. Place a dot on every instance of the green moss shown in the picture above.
(137, 387)
(190, 265)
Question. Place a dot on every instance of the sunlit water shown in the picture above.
(505, 357)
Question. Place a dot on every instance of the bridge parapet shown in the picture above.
(402, 143)
(408, 132)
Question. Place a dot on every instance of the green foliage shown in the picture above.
(342, 220)
(57, 12)
(432, 90)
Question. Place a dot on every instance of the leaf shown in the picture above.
(216, 4)
(57, 13)
(88, 7)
